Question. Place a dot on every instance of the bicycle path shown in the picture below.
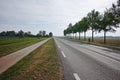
(11, 59)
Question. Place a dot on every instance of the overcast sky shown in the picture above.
(50, 15)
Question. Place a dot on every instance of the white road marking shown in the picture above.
(63, 54)
(58, 46)
(76, 76)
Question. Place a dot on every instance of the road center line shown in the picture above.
(63, 54)
(76, 76)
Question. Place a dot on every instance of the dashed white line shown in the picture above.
(76, 76)
(63, 54)
(58, 46)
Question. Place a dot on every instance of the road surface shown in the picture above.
(11, 59)
(88, 62)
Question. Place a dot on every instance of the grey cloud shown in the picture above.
(50, 13)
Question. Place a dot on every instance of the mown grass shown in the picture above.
(9, 45)
(41, 64)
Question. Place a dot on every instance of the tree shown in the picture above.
(84, 26)
(3, 33)
(8, 33)
(69, 29)
(74, 30)
(11, 33)
(20, 34)
(65, 32)
(28, 34)
(96, 22)
(107, 23)
(78, 27)
(50, 34)
(116, 12)
(93, 20)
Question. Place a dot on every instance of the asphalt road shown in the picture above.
(11, 59)
(88, 62)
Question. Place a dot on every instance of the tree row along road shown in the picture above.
(11, 59)
(88, 62)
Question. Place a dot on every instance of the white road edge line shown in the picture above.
(76, 76)
(63, 54)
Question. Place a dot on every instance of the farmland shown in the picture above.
(9, 45)
(109, 41)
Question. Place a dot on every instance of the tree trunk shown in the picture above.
(92, 35)
(104, 37)
(73, 35)
(79, 35)
(76, 35)
(84, 35)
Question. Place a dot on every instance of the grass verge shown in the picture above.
(9, 45)
(41, 64)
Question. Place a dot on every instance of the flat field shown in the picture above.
(109, 41)
(9, 45)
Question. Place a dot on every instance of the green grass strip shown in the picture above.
(9, 45)
(41, 64)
